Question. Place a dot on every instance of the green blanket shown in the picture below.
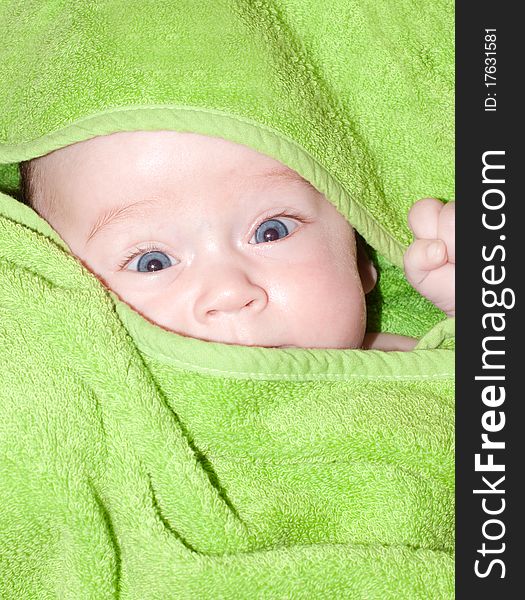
(138, 463)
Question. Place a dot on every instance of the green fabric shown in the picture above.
(138, 463)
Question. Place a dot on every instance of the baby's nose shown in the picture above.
(229, 292)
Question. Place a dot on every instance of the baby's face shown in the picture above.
(209, 239)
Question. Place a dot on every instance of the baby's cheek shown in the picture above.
(323, 302)
(331, 277)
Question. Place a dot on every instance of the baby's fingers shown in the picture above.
(447, 229)
(423, 257)
(423, 218)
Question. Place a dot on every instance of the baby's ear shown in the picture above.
(365, 266)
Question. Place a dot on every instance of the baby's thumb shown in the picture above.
(423, 257)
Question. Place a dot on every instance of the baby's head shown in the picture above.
(207, 238)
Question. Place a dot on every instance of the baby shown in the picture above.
(213, 240)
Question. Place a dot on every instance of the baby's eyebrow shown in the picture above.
(118, 213)
(285, 174)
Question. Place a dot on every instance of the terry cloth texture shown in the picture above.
(137, 463)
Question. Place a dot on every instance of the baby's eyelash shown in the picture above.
(285, 213)
(137, 251)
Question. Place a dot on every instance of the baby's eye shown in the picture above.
(154, 260)
(273, 229)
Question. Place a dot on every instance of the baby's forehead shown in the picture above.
(185, 154)
(103, 175)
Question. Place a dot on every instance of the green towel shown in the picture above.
(138, 463)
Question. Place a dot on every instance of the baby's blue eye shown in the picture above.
(271, 230)
(153, 261)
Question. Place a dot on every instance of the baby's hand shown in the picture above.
(430, 261)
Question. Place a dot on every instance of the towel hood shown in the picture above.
(356, 96)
